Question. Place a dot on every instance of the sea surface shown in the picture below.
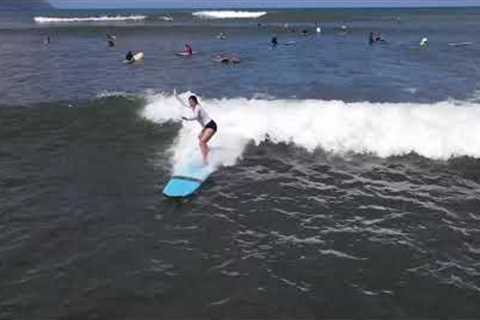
(346, 179)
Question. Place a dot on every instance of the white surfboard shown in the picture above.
(185, 54)
(460, 44)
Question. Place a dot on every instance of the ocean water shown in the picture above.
(346, 181)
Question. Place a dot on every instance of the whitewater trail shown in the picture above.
(438, 131)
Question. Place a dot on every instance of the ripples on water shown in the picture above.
(86, 234)
(372, 234)
(283, 232)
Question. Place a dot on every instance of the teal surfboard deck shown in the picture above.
(186, 181)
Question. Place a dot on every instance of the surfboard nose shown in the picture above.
(181, 186)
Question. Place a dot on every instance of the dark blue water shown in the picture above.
(346, 182)
(78, 64)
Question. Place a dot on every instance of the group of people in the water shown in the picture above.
(373, 37)
(209, 126)
(188, 51)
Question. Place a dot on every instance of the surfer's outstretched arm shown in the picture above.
(178, 98)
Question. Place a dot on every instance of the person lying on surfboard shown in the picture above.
(209, 127)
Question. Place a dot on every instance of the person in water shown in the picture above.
(375, 37)
(274, 42)
(129, 56)
(209, 127)
(188, 49)
(371, 38)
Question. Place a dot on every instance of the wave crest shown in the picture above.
(439, 131)
(225, 14)
(88, 19)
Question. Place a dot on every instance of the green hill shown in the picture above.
(24, 5)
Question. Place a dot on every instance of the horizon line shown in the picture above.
(276, 8)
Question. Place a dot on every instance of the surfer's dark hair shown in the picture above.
(193, 98)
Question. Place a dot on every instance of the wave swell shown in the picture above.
(438, 131)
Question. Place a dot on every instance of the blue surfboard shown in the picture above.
(186, 181)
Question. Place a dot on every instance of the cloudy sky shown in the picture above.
(255, 3)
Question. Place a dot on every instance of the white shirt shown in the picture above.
(200, 115)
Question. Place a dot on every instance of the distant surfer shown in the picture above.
(375, 37)
(371, 38)
(424, 42)
(129, 56)
(222, 36)
(111, 40)
(226, 59)
(46, 40)
(188, 50)
(274, 42)
(209, 127)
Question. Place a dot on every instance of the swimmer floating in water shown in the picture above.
(209, 127)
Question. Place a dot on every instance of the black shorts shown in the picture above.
(211, 125)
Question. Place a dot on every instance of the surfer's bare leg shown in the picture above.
(204, 137)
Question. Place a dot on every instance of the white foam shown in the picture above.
(225, 14)
(165, 18)
(87, 19)
(439, 131)
(107, 94)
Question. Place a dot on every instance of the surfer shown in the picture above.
(274, 42)
(129, 56)
(110, 39)
(226, 59)
(371, 38)
(188, 49)
(424, 42)
(375, 37)
(209, 127)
